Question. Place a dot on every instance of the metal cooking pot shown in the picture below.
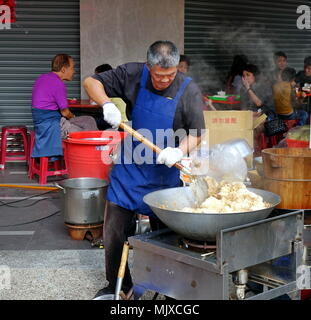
(201, 226)
(83, 200)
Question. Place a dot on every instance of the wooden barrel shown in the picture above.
(287, 172)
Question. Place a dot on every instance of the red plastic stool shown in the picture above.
(22, 155)
(44, 168)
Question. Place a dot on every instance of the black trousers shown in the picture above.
(119, 224)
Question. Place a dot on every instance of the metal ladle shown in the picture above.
(198, 184)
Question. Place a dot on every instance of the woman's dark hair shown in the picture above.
(60, 60)
(253, 69)
(288, 74)
(103, 67)
(185, 58)
(238, 64)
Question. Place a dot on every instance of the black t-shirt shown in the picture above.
(301, 78)
(124, 82)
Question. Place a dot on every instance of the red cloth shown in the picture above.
(11, 4)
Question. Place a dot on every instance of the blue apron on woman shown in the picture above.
(48, 140)
(132, 178)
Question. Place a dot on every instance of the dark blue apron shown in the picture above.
(136, 173)
(48, 140)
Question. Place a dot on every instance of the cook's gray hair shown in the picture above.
(163, 53)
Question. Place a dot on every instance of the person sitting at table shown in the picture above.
(50, 113)
(256, 94)
(304, 76)
(234, 77)
(184, 64)
(280, 61)
(285, 100)
(119, 103)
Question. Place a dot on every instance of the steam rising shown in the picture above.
(227, 41)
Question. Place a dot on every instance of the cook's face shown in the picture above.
(162, 78)
(249, 77)
(308, 71)
(69, 71)
(281, 63)
(183, 67)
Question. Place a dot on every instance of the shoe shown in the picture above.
(104, 291)
(109, 290)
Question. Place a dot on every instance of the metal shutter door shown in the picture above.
(42, 29)
(217, 30)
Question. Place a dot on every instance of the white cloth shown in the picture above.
(112, 114)
(169, 156)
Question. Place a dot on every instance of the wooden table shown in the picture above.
(84, 103)
(84, 107)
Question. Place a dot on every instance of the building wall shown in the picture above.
(216, 30)
(120, 31)
(42, 30)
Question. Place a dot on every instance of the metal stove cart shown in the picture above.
(243, 258)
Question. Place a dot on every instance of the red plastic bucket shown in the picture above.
(305, 294)
(291, 143)
(88, 153)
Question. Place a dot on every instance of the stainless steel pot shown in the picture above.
(83, 200)
(201, 226)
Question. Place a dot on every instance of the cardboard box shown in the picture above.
(229, 120)
(230, 124)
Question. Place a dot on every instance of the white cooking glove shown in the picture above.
(169, 156)
(111, 114)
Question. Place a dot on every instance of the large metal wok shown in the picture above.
(201, 226)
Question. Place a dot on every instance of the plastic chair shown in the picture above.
(44, 167)
(20, 155)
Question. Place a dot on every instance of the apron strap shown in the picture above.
(144, 77)
(182, 88)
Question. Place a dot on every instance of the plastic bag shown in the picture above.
(221, 162)
(200, 159)
(226, 163)
(300, 133)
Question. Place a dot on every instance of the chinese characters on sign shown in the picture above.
(224, 120)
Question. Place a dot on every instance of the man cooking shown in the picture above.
(158, 97)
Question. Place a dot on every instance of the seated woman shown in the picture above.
(50, 110)
(285, 100)
(256, 94)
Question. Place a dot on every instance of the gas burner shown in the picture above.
(199, 246)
